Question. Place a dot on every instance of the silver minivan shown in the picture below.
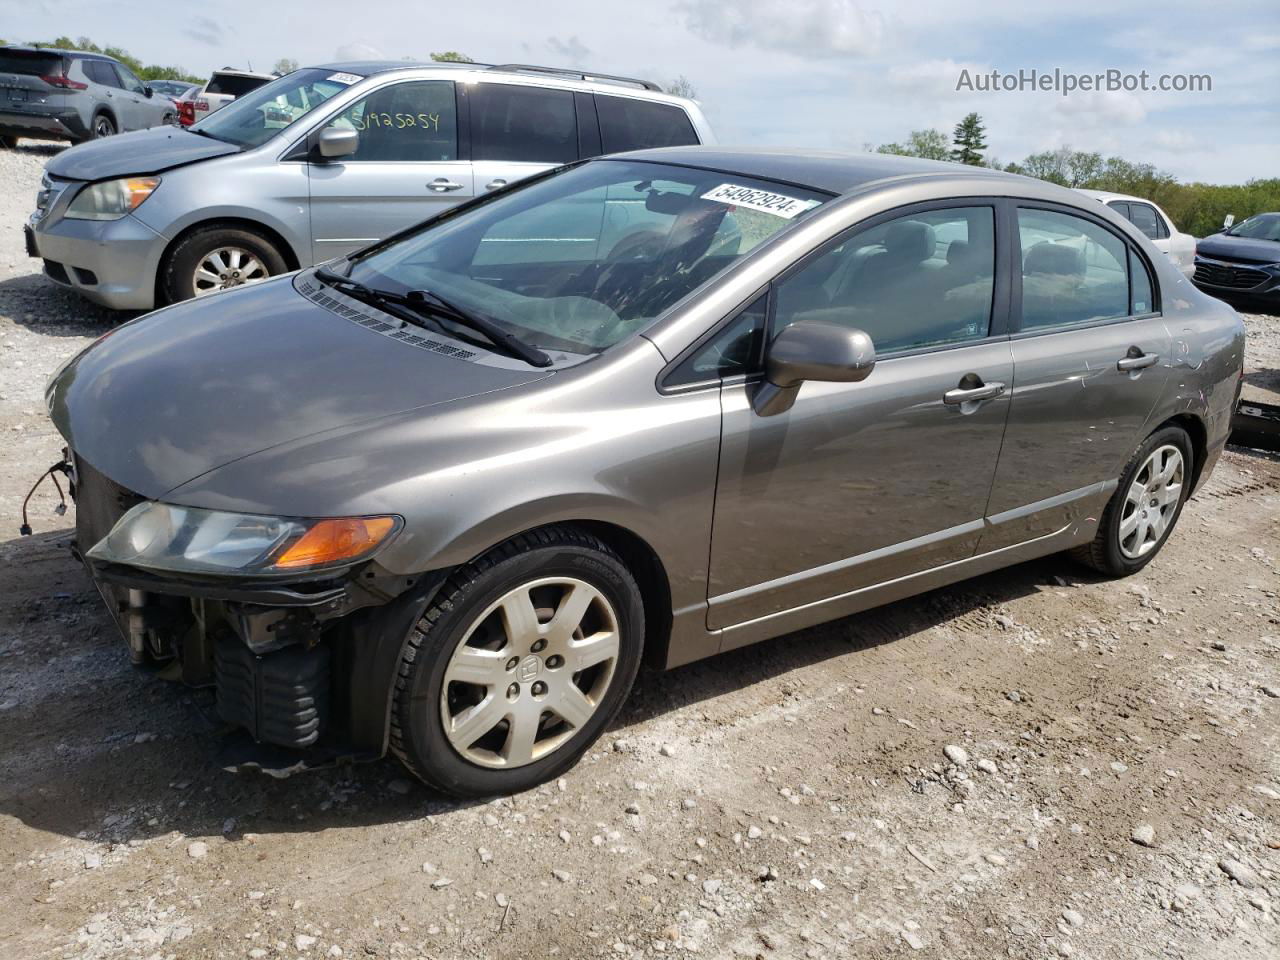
(320, 163)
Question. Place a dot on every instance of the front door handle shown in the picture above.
(495, 184)
(443, 185)
(988, 391)
(1136, 360)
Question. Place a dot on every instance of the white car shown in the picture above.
(223, 87)
(1155, 223)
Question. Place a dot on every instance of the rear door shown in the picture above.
(408, 167)
(1091, 357)
(518, 130)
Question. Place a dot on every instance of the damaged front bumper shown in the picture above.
(306, 664)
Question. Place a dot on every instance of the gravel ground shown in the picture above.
(1032, 764)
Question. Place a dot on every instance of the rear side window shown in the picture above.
(1144, 218)
(30, 64)
(521, 124)
(1140, 297)
(405, 122)
(922, 280)
(231, 85)
(1073, 271)
(627, 124)
(99, 71)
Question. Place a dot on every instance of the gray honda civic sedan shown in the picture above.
(443, 496)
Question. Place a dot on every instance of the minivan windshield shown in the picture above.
(259, 115)
(581, 260)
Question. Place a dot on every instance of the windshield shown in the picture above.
(259, 115)
(1265, 226)
(583, 259)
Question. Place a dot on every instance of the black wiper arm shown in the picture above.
(480, 323)
(424, 303)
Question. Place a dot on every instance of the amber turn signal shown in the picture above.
(332, 541)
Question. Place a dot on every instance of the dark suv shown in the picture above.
(54, 94)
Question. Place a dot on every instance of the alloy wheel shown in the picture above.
(1151, 502)
(226, 267)
(530, 672)
(103, 127)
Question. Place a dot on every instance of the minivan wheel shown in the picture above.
(518, 665)
(103, 126)
(1145, 506)
(217, 258)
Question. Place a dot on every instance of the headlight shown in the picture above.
(161, 536)
(111, 199)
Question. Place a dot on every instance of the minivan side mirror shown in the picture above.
(811, 350)
(338, 142)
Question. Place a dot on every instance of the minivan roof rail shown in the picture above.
(575, 74)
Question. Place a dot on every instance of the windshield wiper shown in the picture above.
(424, 303)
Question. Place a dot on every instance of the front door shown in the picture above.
(861, 483)
(1091, 360)
(405, 169)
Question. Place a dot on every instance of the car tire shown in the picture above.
(470, 622)
(9, 143)
(178, 280)
(1144, 509)
(103, 126)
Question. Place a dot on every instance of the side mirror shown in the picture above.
(148, 91)
(338, 142)
(811, 351)
(1228, 220)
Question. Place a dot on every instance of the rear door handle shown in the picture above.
(1136, 360)
(988, 391)
(495, 184)
(443, 185)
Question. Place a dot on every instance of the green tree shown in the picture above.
(143, 70)
(928, 144)
(968, 140)
(451, 56)
(285, 65)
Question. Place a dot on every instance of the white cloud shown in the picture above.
(1102, 108)
(358, 51)
(573, 52)
(932, 77)
(814, 28)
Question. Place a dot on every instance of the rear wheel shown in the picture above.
(518, 666)
(217, 258)
(1145, 506)
(103, 126)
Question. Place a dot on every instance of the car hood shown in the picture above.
(141, 152)
(165, 398)
(1239, 248)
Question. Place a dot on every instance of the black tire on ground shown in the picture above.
(103, 126)
(8, 143)
(1103, 553)
(418, 736)
(177, 273)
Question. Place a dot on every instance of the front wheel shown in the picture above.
(1145, 506)
(217, 258)
(518, 665)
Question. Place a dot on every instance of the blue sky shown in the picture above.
(819, 73)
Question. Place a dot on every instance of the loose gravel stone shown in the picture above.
(956, 754)
(1144, 834)
(1239, 872)
(197, 849)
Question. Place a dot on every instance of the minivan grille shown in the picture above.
(1227, 275)
(356, 313)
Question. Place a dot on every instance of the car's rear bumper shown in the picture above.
(57, 125)
(111, 262)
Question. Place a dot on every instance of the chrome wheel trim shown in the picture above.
(104, 127)
(528, 675)
(1150, 502)
(225, 267)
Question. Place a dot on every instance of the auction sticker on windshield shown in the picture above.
(778, 204)
(346, 78)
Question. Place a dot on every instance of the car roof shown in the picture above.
(233, 72)
(829, 171)
(552, 76)
(82, 54)
(1107, 195)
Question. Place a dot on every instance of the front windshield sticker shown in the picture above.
(347, 78)
(778, 204)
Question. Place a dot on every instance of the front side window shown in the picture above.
(256, 117)
(629, 124)
(921, 280)
(1073, 271)
(1143, 216)
(415, 120)
(584, 259)
(128, 80)
(521, 124)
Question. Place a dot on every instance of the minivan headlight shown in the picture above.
(162, 536)
(111, 199)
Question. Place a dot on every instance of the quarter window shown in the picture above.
(627, 124)
(522, 124)
(733, 351)
(1073, 271)
(917, 281)
(412, 121)
(1140, 295)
